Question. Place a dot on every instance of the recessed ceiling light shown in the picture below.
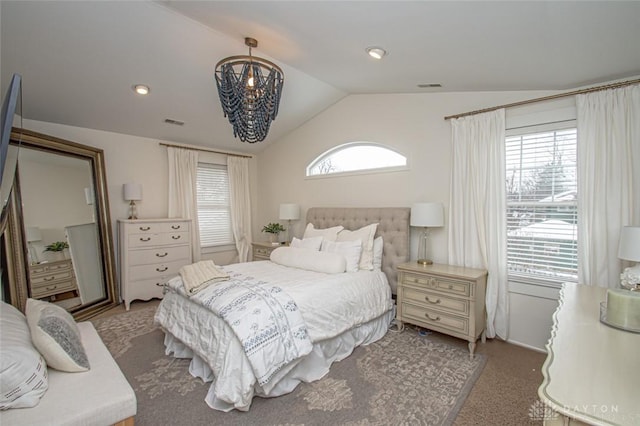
(376, 52)
(141, 89)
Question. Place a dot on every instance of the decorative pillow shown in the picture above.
(329, 234)
(312, 243)
(378, 246)
(349, 249)
(364, 234)
(23, 371)
(55, 334)
(318, 261)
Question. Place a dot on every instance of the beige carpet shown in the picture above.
(404, 378)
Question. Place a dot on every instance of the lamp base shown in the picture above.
(424, 262)
(133, 213)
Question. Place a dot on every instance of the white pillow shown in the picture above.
(312, 243)
(378, 246)
(329, 234)
(318, 261)
(351, 251)
(55, 334)
(23, 371)
(364, 234)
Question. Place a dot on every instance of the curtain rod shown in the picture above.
(194, 148)
(548, 98)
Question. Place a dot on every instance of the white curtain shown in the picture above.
(608, 148)
(183, 169)
(239, 197)
(477, 212)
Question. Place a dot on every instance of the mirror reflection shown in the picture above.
(62, 234)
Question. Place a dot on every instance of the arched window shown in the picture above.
(357, 157)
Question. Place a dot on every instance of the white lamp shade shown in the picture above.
(289, 211)
(430, 215)
(33, 234)
(132, 191)
(629, 247)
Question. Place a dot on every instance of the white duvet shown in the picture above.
(331, 304)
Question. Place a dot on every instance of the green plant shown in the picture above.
(57, 246)
(273, 228)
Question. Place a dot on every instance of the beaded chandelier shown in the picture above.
(249, 88)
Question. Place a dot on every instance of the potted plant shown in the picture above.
(273, 229)
(57, 248)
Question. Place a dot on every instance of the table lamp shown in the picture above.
(289, 212)
(132, 193)
(426, 215)
(629, 249)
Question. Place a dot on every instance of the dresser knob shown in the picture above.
(163, 269)
(432, 319)
(450, 287)
(432, 302)
(175, 226)
(50, 278)
(176, 237)
(52, 288)
(145, 239)
(144, 228)
(162, 255)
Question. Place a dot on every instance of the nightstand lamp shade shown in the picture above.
(426, 215)
(289, 212)
(629, 249)
(132, 193)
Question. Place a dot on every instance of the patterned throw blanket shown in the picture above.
(265, 319)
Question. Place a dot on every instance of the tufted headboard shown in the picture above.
(393, 227)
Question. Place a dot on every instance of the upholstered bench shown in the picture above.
(100, 396)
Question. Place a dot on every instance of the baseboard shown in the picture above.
(524, 345)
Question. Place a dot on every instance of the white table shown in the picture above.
(592, 371)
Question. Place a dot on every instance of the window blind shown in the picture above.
(542, 195)
(214, 216)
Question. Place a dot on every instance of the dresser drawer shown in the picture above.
(43, 280)
(436, 301)
(144, 240)
(159, 254)
(48, 289)
(145, 228)
(47, 268)
(175, 238)
(447, 285)
(156, 271)
(146, 289)
(438, 319)
(175, 227)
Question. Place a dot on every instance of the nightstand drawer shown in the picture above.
(436, 318)
(436, 301)
(447, 285)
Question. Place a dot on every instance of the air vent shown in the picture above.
(429, 86)
(172, 121)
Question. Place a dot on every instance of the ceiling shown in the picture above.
(79, 60)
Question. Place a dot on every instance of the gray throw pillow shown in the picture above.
(55, 334)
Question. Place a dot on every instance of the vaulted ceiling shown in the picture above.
(79, 60)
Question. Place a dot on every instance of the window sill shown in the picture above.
(217, 249)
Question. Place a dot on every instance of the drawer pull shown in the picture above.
(175, 226)
(52, 288)
(145, 239)
(144, 228)
(50, 278)
(176, 237)
(162, 255)
(450, 287)
(430, 301)
(432, 319)
(163, 269)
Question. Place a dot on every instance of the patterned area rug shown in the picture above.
(403, 379)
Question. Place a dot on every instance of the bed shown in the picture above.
(324, 316)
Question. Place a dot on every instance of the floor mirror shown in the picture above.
(57, 244)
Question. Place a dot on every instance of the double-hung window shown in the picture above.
(542, 195)
(214, 212)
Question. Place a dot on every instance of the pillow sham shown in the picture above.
(23, 371)
(318, 261)
(55, 334)
(349, 249)
(378, 247)
(329, 234)
(364, 234)
(312, 243)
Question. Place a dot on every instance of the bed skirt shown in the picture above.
(307, 369)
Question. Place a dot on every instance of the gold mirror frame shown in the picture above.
(15, 249)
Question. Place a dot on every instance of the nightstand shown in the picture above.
(262, 250)
(444, 298)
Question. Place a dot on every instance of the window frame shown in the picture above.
(349, 145)
(205, 249)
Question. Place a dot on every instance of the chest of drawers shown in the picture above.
(52, 278)
(444, 298)
(151, 252)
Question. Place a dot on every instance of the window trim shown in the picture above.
(215, 248)
(347, 145)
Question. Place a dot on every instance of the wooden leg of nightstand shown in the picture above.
(400, 325)
(472, 349)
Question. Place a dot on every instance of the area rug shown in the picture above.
(403, 379)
